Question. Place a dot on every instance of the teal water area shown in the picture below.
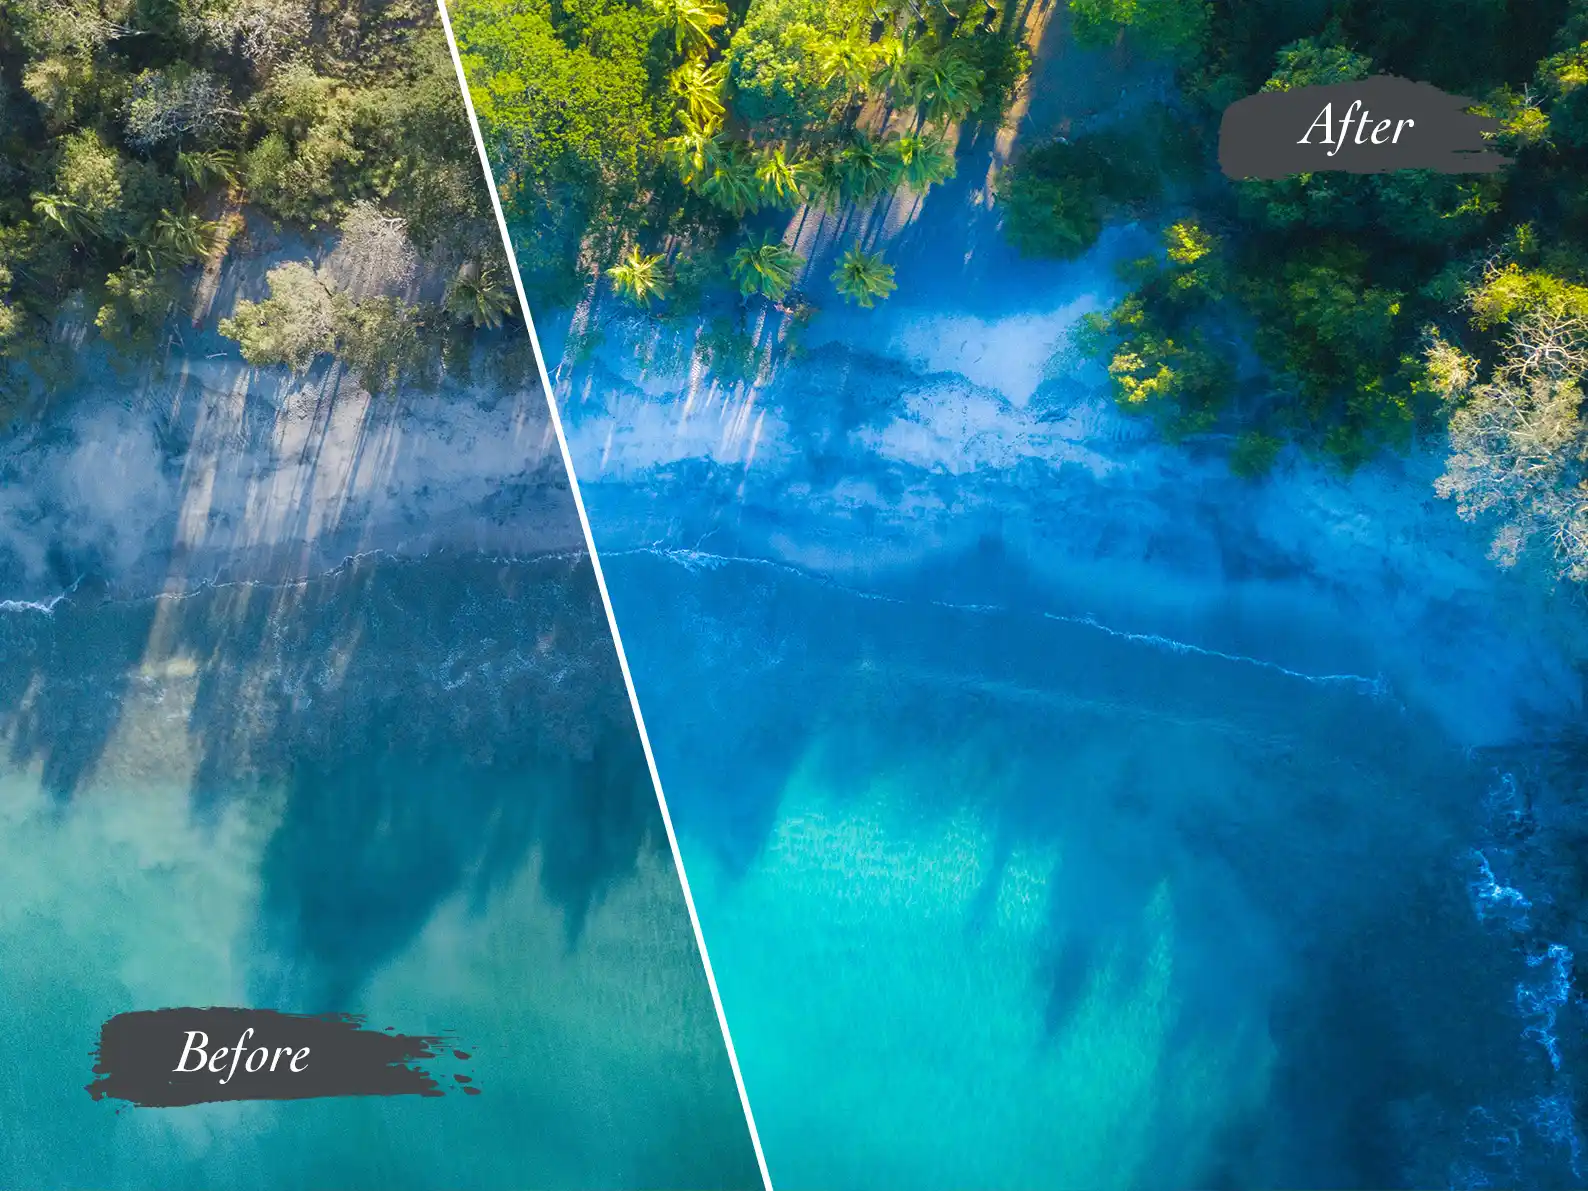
(409, 789)
(1000, 898)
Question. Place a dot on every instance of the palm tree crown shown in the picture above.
(944, 84)
(765, 266)
(699, 87)
(692, 22)
(925, 160)
(863, 277)
(639, 277)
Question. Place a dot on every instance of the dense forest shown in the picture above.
(655, 141)
(1382, 307)
(643, 138)
(134, 134)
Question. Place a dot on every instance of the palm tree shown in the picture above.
(639, 277)
(889, 64)
(847, 58)
(479, 296)
(696, 149)
(699, 87)
(765, 266)
(862, 277)
(867, 168)
(827, 181)
(184, 235)
(944, 85)
(203, 166)
(174, 239)
(784, 183)
(692, 22)
(925, 160)
(731, 184)
(76, 220)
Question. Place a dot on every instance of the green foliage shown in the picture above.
(385, 341)
(137, 301)
(731, 183)
(693, 22)
(1166, 27)
(479, 295)
(867, 168)
(765, 266)
(784, 183)
(125, 124)
(924, 160)
(639, 277)
(569, 127)
(945, 83)
(1163, 355)
(1056, 196)
(1254, 454)
(863, 277)
(699, 90)
(1316, 62)
(296, 323)
(1336, 338)
(779, 62)
(1003, 62)
(1564, 80)
(612, 122)
(1509, 291)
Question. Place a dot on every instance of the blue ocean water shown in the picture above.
(409, 789)
(1004, 896)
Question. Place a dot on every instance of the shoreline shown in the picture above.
(218, 472)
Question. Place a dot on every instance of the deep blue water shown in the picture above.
(998, 896)
(408, 789)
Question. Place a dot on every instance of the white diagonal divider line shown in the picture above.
(601, 585)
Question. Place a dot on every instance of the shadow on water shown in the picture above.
(1317, 899)
(430, 723)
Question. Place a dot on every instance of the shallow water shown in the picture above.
(998, 897)
(407, 789)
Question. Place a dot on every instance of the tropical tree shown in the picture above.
(784, 183)
(867, 167)
(945, 86)
(851, 60)
(765, 266)
(862, 277)
(924, 160)
(77, 220)
(890, 66)
(479, 296)
(696, 149)
(699, 89)
(692, 22)
(730, 183)
(202, 167)
(1518, 441)
(826, 182)
(638, 277)
(174, 239)
(296, 323)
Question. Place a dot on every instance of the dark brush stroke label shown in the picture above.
(1373, 126)
(168, 1058)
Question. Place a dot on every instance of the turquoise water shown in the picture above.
(408, 789)
(998, 897)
